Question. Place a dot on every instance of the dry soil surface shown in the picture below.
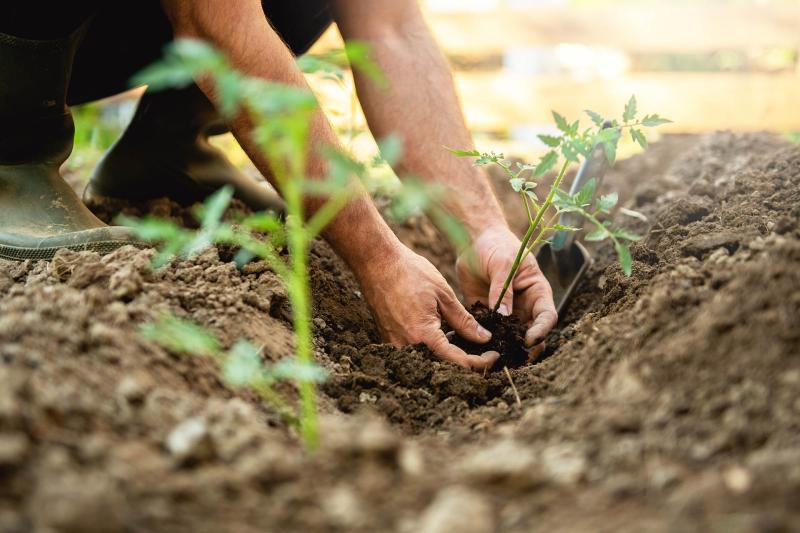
(667, 401)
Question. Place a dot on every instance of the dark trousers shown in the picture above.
(124, 37)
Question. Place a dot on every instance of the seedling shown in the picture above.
(282, 116)
(241, 365)
(572, 145)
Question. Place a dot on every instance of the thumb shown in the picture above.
(460, 320)
(495, 288)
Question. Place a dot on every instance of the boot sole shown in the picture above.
(13, 250)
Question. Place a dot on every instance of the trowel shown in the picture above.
(564, 260)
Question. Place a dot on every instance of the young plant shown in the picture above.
(572, 145)
(241, 365)
(282, 115)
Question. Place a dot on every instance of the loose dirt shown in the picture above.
(667, 401)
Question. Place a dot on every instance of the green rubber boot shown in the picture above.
(39, 211)
(165, 152)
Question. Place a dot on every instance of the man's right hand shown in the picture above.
(409, 298)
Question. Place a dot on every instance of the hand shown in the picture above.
(410, 298)
(529, 297)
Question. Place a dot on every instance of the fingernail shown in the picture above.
(535, 342)
(503, 310)
(483, 332)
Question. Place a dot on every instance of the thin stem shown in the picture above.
(513, 387)
(527, 206)
(529, 234)
(539, 238)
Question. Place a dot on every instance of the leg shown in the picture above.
(39, 212)
(165, 150)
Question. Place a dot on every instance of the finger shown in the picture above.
(544, 319)
(496, 287)
(536, 351)
(460, 320)
(448, 352)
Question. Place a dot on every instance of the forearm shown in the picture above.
(420, 105)
(358, 233)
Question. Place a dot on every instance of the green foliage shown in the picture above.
(572, 146)
(242, 365)
(281, 115)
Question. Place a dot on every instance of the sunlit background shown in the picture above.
(707, 65)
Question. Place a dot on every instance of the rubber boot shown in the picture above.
(39, 211)
(165, 152)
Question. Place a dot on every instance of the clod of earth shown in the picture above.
(508, 338)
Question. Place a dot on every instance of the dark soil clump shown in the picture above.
(508, 338)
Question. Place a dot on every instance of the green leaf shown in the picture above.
(547, 162)
(630, 110)
(517, 184)
(586, 193)
(597, 119)
(359, 54)
(463, 153)
(561, 122)
(181, 336)
(550, 140)
(625, 259)
(632, 213)
(532, 195)
(653, 120)
(609, 137)
(214, 207)
(562, 227)
(298, 371)
(391, 149)
(243, 364)
(627, 235)
(488, 158)
(264, 222)
(599, 234)
(639, 137)
(607, 202)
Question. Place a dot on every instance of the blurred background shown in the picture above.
(706, 64)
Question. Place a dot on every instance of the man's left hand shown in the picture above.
(529, 297)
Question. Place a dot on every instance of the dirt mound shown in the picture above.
(665, 401)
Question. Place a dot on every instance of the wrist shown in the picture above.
(362, 239)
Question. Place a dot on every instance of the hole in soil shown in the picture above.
(508, 338)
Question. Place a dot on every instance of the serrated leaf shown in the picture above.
(597, 235)
(547, 162)
(586, 193)
(632, 213)
(625, 259)
(243, 364)
(627, 235)
(569, 152)
(609, 137)
(463, 153)
(550, 140)
(597, 119)
(562, 227)
(561, 122)
(607, 202)
(517, 184)
(639, 137)
(653, 120)
(630, 109)
(532, 195)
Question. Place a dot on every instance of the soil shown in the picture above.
(665, 401)
(508, 338)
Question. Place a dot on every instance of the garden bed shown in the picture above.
(664, 401)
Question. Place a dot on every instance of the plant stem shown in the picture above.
(529, 234)
(300, 299)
